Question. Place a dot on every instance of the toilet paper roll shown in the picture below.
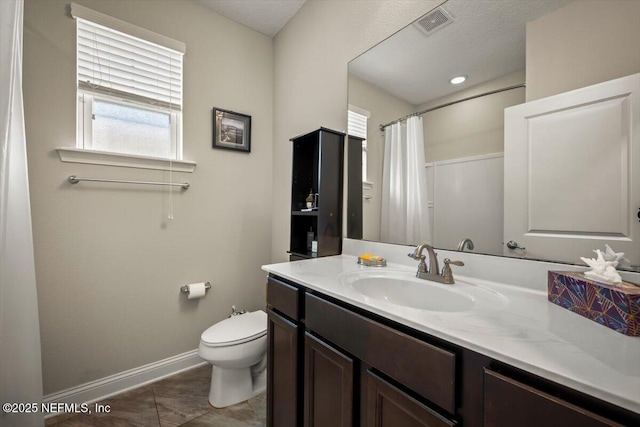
(196, 290)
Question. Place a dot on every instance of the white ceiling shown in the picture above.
(486, 40)
(265, 16)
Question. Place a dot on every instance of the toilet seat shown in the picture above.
(236, 330)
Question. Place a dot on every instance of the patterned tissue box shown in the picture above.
(615, 307)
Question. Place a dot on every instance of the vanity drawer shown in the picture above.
(423, 368)
(283, 298)
(508, 402)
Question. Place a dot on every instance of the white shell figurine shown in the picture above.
(603, 268)
(618, 257)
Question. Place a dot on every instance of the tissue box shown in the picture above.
(615, 307)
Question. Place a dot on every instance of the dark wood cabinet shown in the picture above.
(508, 402)
(354, 187)
(422, 367)
(284, 354)
(387, 406)
(284, 298)
(282, 372)
(328, 385)
(333, 364)
(318, 159)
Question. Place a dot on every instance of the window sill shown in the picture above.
(77, 155)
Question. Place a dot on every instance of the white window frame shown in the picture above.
(82, 152)
(84, 139)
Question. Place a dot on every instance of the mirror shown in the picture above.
(511, 52)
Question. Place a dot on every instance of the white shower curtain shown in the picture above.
(20, 365)
(404, 217)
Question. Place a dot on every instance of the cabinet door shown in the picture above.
(428, 370)
(329, 231)
(328, 378)
(510, 403)
(282, 372)
(387, 406)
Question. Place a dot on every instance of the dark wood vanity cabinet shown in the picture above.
(331, 364)
(282, 371)
(328, 385)
(510, 402)
(388, 406)
(284, 349)
(422, 367)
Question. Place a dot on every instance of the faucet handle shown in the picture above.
(422, 267)
(447, 274)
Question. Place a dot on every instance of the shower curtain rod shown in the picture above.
(419, 113)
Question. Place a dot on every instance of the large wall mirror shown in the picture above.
(509, 53)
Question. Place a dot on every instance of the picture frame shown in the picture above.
(231, 130)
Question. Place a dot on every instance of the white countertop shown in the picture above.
(527, 332)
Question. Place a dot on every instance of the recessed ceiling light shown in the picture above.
(457, 80)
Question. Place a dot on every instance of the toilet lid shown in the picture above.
(236, 329)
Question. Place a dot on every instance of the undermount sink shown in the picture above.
(402, 288)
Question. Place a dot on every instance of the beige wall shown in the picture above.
(383, 108)
(473, 127)
(310, 87)
(109, 264)
(467, 129)
(581, 44)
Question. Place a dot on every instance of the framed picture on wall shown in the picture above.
(231, 130)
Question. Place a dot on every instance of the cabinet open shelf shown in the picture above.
(305, 213)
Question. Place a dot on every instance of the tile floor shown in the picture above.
(179, 400)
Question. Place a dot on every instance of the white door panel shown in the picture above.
(572, 180)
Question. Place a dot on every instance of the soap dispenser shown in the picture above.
(310, 199)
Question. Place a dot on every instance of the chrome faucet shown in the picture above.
(433, 272)
(433, 260)
(465, 242)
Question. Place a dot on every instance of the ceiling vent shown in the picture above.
(434, 21)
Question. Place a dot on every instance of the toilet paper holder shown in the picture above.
(185, 289)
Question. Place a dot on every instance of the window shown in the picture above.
(129, 88)
(357, 126)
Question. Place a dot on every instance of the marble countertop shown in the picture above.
(525, 331)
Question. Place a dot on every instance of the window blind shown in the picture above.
(114, 63)
(357, 124)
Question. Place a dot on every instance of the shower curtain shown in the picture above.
(20, 365)
(405, 214)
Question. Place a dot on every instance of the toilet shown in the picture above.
(237, 349)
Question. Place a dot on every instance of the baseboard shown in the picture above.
(114, 384)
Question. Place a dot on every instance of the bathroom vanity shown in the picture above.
(342, 353)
